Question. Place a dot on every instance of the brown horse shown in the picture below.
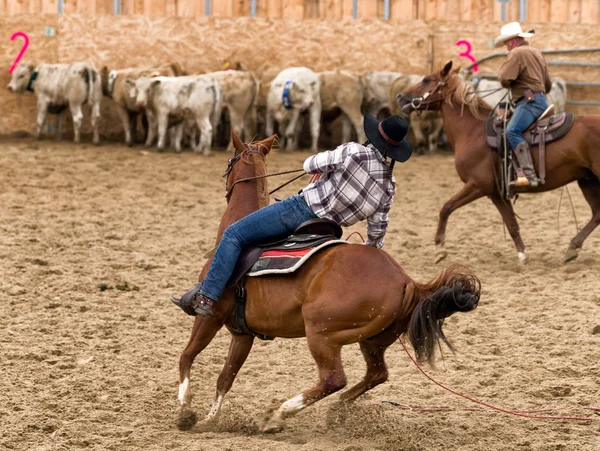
(346, 294)
(575, 157)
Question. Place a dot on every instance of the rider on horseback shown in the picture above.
(354, 183)
(525, 73)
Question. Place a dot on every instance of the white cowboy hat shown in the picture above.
(512, 30)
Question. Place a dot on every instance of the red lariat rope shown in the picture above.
(510, 412)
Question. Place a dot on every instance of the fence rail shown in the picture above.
(532, 11)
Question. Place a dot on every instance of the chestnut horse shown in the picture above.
(575, 157)
(345, 294)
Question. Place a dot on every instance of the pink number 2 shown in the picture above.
(23, 49)
(467, 53)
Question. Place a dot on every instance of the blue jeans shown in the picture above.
(525, 114)
(280, 218)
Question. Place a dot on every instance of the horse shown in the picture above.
(345, 294)
(575, 157)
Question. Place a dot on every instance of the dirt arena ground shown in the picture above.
(86, 368)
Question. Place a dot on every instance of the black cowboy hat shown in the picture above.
(388, 136)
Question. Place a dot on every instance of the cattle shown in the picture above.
(171, 101)
(240, 92)
(58, 87)
(422, 124)
(114, 87)
(492, 92)
(293, 91)
(344, 90)
(377, 90)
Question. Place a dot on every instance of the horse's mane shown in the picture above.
(463, 94)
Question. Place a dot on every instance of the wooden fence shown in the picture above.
(531, 11)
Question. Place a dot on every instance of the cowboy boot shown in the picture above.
(523, 154)
(193, 303)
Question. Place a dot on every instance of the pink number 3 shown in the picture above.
(467, 53)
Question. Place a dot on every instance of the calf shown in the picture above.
(378, 87)
(422, 124)
(293, 91)
(171, 101)
(240, 91)
(114, 87)
(344, 90)
(58, 87)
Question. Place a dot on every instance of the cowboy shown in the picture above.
(525, 73)
(353, 182)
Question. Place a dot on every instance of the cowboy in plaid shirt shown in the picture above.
(353, 182)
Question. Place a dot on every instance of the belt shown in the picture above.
(534, 93)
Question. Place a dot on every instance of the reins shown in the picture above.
(249, 150)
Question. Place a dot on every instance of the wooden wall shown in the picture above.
(538, 11)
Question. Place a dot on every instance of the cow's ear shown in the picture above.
(313, 83)
(155, 83)
(129, 83)
(446, 70)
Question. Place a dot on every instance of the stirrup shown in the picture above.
(521, 181)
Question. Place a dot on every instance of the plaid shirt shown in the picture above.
(355, 185)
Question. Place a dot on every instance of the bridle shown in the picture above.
(428, 98)
(253, 150)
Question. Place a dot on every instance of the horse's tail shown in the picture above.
(455, 289)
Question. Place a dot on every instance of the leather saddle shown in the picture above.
(543, 131)
(308, 234)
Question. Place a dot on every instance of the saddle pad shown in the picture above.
(286, 261)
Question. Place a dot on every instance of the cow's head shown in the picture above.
(141, 89)
(302, 95)
(20, 78)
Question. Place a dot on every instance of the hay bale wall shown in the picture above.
(265, 46)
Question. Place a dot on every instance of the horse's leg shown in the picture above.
(508, 216)
(203, 332)
(331, 379)
(466, 195)
(238, 352)
(377, 372)
(590, 186)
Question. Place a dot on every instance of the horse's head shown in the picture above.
(248, 165)
(428, 94)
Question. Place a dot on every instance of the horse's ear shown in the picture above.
(457, 69)
(446, 70)
(266, 144)
(237, 142)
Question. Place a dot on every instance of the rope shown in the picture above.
(228, 193)
(355, 233)
(510, 412)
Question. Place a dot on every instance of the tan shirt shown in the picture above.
(525, 67)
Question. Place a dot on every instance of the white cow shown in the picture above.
(493, 93)
(171, 101)
(240, 91)
(378, 88)
(293, 91)
(58, 87)
(114, 87)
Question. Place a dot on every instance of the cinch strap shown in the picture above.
(387, 138)
(285, 98)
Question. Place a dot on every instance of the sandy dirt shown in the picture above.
(86, 368)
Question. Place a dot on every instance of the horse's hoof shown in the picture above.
(571, 255)
(440, 254)
(522, 257)
(187, 419)
(272, 427)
